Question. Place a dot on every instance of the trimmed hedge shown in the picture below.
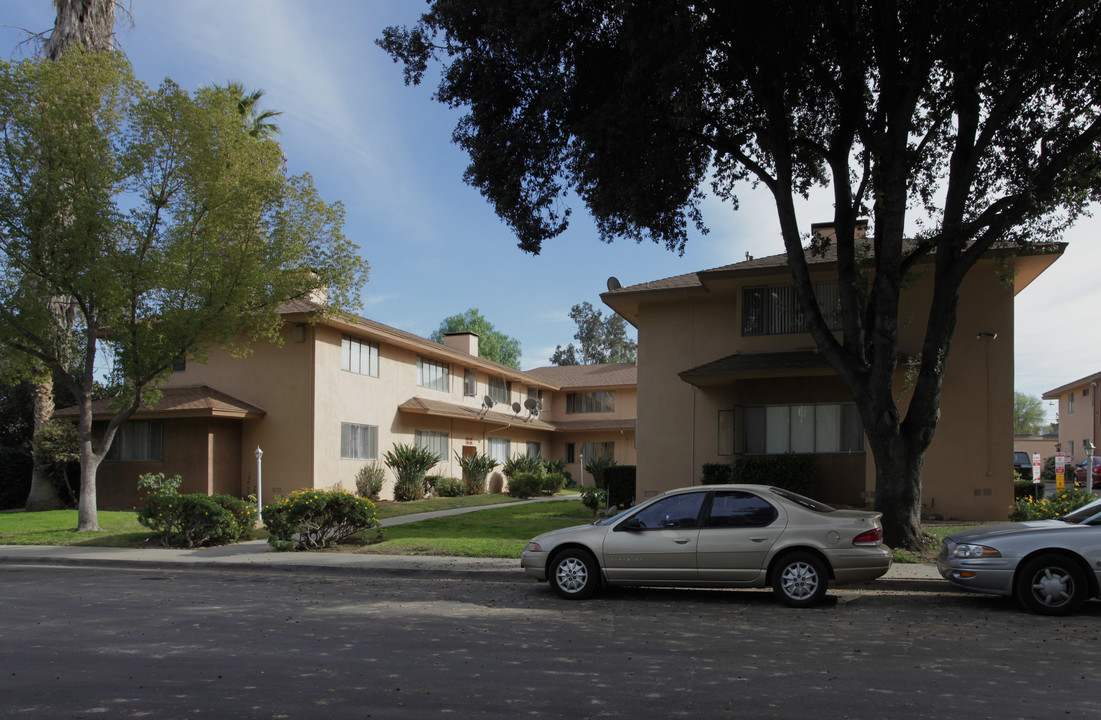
(196, 520)
(791, 471)
(619, 481)
(312, 519)
(525, 485)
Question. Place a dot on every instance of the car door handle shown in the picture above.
(759, 539)
(681, 541)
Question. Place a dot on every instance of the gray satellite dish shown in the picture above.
(516, 408)
(488, 401)
(614, 284)
(530, 404)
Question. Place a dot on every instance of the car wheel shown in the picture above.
(1051, 585)
(574, 575)
(800, 579)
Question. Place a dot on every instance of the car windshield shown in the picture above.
(804, 501)
(1089, 514)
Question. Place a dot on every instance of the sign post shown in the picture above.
(1060, 470)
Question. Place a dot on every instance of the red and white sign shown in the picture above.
(1036, 468)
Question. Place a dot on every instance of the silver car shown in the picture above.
(716, 536)
(1049, 566)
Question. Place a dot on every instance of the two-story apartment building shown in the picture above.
(726, 367)
(340, 392)
(1079, 415)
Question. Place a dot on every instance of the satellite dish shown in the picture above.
(614, 284)
(530, 404)
(516, 408)
(488, 401)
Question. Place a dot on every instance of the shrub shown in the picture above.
(158, 483)
(553, 482)
(523, 464)
(312, 519)
(410, 464)
(369, 480)
(193, 520)
(55, 448)
(594, 498)
(1026, 488)
(619, 481)
(525, 485)
(475, 469)
(791, 471)
(243, 511)
(717, 474)
(450, 487)
(1059, 504)
(558, 467)
(596, 468)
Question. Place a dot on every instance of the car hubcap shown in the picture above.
(800, 580)
(1052, 587)
(572, 575)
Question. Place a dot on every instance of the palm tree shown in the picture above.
(254, 121)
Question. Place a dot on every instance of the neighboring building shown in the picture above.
(1045, 443)
(726, 368)
(1079, 414)
(340, 392)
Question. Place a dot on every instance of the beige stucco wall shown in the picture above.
(968, 470)
(1082, 423)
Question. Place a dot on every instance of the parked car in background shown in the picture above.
(1050, 566)
(1083, 467)
(1022, 464)
(716, 536)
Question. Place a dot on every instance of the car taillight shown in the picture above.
(869, 537)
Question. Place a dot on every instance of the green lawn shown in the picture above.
(394, 509)
(497, 532)
(58, 527)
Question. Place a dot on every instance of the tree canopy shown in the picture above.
(1029, 417)
(599, 340)
(155, 223)
(492, 343)
(976, 123)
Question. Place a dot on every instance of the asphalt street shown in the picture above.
(194, 641)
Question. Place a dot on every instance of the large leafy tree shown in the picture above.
(492, 343)
(165, 228)
(976, 122)
(1029, 417)
(599, 340)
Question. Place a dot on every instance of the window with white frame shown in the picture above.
(600, 401)
(533, 449)
(358, 442)
(774, 429)
(499, 449)
(138, 440)
(432, 375)
(1070, 403)
(498, 389)
(358, 356)
(433, 441)
(470, 382)
(774, 310)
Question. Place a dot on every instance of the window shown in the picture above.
(470, 383)
(1070, 403)
(678, 511)
(499, 449)
(138, 440)
(358, 442)
(533, 449)
(535, 394)
(433, 441)
(432, 375)
(179, 365)
(591, 402)
(774, 310)
(774, 429)
(740, 509)
(498, 390)
(590, 450)
(358, 357)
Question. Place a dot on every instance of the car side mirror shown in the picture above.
(632, 523)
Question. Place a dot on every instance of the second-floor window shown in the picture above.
(600, 401)
(498, 389)
(470, 383)
(358, 356)
(774, 310)
(432, 374)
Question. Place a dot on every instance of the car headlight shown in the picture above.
(533, 547)
(975, 551)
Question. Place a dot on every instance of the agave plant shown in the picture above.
(523, 464)
(410, 464)
(596, 468)
(475, 469)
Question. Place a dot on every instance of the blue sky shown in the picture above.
(434, 245)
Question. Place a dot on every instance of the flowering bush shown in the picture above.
(312, 519)
(1059, 504)
(594, 498)
(196, 520)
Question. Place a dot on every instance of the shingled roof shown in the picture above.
(194, 401)
(588, 376)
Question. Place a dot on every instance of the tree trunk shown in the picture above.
(90, 23)
(898, 490)
(43, 494)
(87, 517)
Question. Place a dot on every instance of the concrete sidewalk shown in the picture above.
(258, 555)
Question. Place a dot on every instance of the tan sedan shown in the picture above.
(716, 536)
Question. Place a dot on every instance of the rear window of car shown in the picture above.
(804, 501)
(1020, 458)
